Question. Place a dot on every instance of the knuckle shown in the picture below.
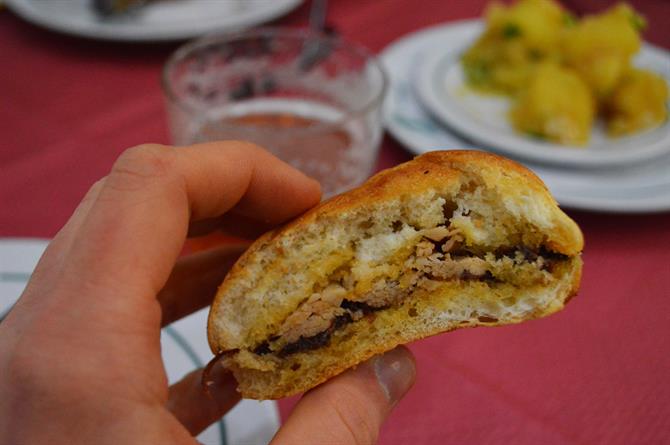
(355, 417)
(97, 185)
(142, 164)
(93, 190)
(248, 147)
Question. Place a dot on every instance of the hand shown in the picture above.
(80, 356)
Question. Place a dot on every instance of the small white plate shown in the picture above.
(183, 344)
(642, 188)
(156, 21)
(441, 88)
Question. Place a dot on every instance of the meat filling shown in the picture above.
(355, 310)
(439, 256)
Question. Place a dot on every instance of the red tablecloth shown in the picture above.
(595, 373)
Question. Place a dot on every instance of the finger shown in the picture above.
(351, 408)
(136, 227)
(51, 262)
(196, 408)
(230, 224)
(194, 280)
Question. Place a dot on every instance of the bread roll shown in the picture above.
(451, 239)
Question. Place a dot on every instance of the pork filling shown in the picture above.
(439, 256)
(355, 310)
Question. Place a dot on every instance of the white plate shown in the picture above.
(634, 189)
(441, 87)
(184, 348)
(158, 20)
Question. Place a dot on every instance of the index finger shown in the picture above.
(135, 230)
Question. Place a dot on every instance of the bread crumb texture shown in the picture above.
(450, 239)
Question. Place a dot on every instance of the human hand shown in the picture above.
(80, 356)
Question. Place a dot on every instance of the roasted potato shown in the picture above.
(600, 47)
(557, 105)
(517, 38)
(562, 71)
(638, 102)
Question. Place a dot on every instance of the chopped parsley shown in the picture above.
(569, 20)
(638, 22)
(511, 31)
(478, 73)
(536, 135)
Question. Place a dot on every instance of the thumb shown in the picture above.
(196, 408)
(351, 408)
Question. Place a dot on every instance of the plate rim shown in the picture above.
(28, 11)
(431, 98)
(412, 39)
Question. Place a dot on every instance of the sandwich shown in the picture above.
(451, 239)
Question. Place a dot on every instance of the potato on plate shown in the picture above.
(557, 105)
(517, 38)
(601, 46)
(637, 103)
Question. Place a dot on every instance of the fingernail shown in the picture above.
(395, 371)
(216, 380)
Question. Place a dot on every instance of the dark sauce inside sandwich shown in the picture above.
(438, 257)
